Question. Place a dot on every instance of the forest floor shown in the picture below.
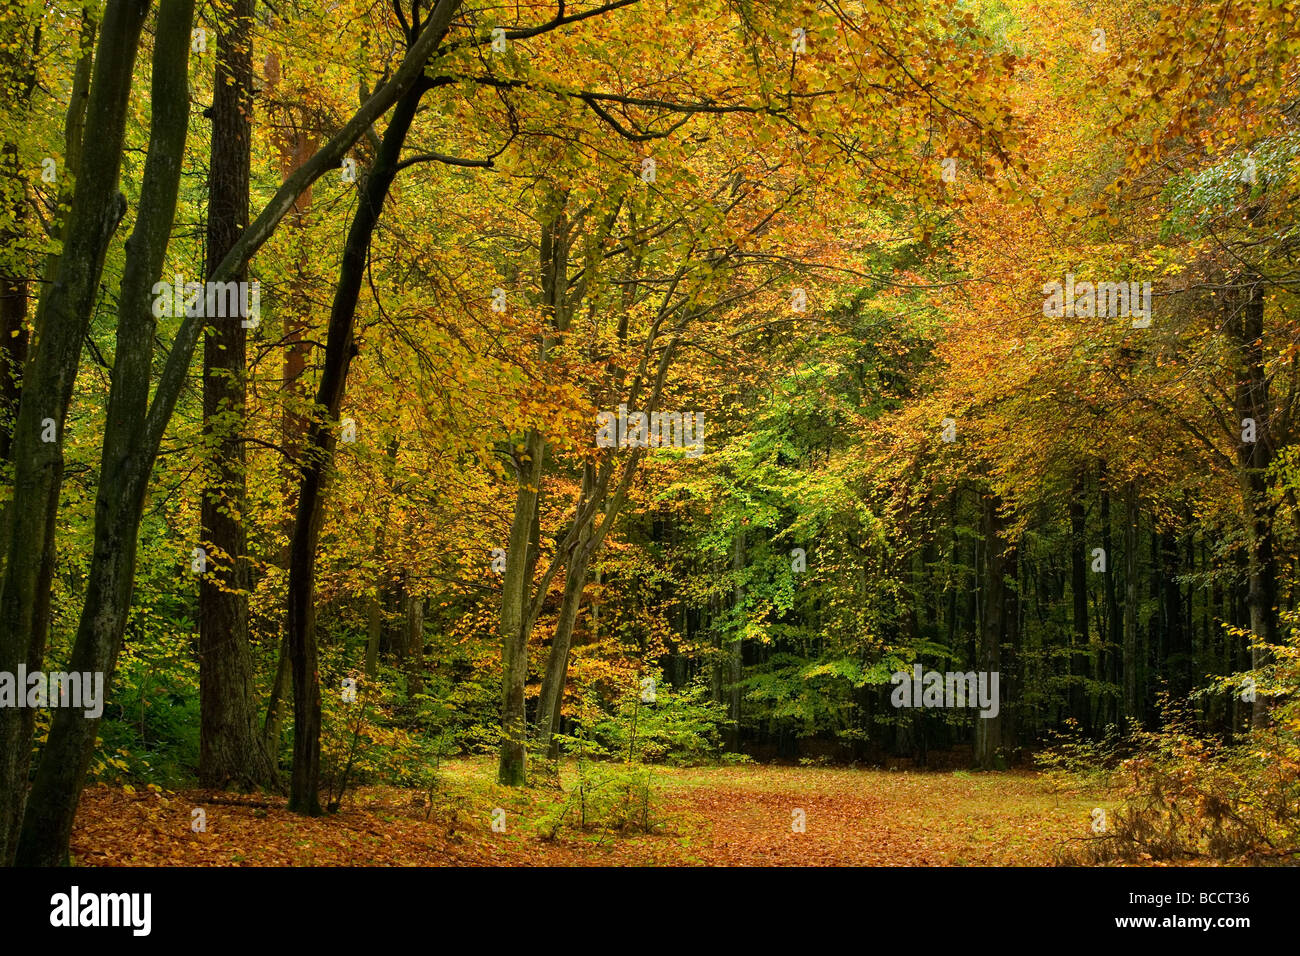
(738, 815)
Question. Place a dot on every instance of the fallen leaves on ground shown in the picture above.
(706, 816)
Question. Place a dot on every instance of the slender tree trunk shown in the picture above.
(304, 794)
(988, 730)
(735, 650)
(414, 627)
(1079, 708)
(372, 636)
(954, 560)
(273, 725)
(1110, 668)
(1130, 662)
(589, 541)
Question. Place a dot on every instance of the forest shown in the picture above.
(649, 432)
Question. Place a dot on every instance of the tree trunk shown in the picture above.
(230, 747)
(988, 730)
(135, 426)
(414, 620)
(296, 146)
(1079, 707)
(124, 473)
(1109, 665)
(1177, 644)
(318, 452)
(512, 768)
(61, 321)
(735, 660)
(1131, 517)
(521, 552)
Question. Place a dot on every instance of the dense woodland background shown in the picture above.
(823, 227)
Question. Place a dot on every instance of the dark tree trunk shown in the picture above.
(735, 650)
(1079, 708)
(1011, 688)
(61, 321)
(1110, 660)
(1132, 707)
(988, 730)
(230, 747)
(318, 452)
(135, 426)
(124, 471)
(954, 558)
(1177, 646)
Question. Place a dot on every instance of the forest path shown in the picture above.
(711, 816)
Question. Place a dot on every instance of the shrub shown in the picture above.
(1186, 797)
